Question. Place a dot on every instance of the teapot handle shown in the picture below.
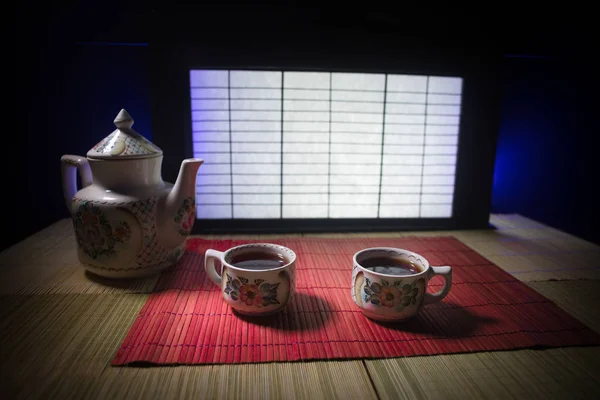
(69, 182)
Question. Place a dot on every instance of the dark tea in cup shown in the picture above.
(391, 265)
(258, 260)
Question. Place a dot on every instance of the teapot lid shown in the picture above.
(124, 142)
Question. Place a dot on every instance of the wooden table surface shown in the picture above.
(60, 329)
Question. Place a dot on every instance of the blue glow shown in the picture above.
(543, 125)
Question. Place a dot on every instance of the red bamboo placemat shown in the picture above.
(186, 321)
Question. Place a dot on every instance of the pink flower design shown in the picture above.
(188, 221)
(251, 295)
(389, 296)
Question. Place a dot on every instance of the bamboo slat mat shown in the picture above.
(60, 346)
(66, 343)
(186, 321)
(579, 298)
(525, 374)
(70, 339)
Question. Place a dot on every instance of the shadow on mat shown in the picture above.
(450, 321)
(301, 315)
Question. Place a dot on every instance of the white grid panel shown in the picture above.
(281, 144)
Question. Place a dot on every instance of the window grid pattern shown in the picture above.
(281, 144)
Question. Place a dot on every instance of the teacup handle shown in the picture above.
(446, 273)
(209, 265)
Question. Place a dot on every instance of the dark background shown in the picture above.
(78, 63)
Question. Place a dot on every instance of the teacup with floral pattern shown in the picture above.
(386, 297)
(253, 291)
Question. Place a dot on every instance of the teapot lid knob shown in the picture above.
(123, 120)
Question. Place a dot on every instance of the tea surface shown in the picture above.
(258, 260)
(391, 266)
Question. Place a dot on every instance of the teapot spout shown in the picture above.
(185, 185)
(178, 212)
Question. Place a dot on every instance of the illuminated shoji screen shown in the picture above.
(284, 144)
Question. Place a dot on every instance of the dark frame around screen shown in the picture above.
(171, 116)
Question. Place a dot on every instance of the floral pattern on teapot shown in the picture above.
(94, 234)
(186, 215)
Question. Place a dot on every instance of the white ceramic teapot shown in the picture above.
(128, 222)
